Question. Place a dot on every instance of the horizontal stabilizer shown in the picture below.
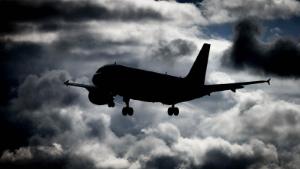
(88, 87)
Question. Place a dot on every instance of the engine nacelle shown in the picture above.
(100, 97)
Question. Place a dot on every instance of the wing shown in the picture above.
(233, 86)
(88, 87)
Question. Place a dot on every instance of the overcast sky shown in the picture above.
(44, 124)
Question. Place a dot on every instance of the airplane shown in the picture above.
(131, 83)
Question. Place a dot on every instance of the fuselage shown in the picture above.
(145, 85)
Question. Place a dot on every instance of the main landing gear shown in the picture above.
(127, 110)
(173, 110)
(111, 104)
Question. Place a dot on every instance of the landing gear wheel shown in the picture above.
(124, 111)
(176, 111)
(130, 111)
(173, 110)
(170, 112)
(127, 111)
(111, 104)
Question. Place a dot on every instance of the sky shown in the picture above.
(44, 124)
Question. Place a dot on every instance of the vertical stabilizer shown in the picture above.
(198, 70)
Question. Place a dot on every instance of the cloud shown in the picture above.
(219, 11)
(36, 92)
(279, 57)
(52, 156)
(171, 51)
(258, 116)
(165, 131)
(163, 162)
(55, 13)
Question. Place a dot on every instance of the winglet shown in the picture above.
(268, 81)
(67, 83)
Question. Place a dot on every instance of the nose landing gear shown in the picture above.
(127, 110)
(173, 110)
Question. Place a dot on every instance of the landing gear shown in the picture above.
(127, 110)
(173, 110)
(111, 104)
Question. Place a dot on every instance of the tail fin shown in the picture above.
(198, 70)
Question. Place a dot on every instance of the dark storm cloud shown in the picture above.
(163, 162)
(46, 90)
(37, 157)
(280, 57)
(216, 159)
(35, 111)
(171, 51)
(48, 14)
(7, 75)
(19, 55)
(17, 60)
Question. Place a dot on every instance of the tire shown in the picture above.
(124, 111)
(111, 104)
(170, 111)
(176, 111)
(130, 111)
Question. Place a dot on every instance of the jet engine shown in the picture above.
(99, 97)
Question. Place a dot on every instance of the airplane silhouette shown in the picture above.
(137, 84)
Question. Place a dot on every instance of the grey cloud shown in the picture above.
(54, 12)
(121, 125)
(165, 131)
(19, 58)
(171, 51)
(219, 11)
(213, 153)
(46, 90)
(37, 106)
(283, 115)
(280, 57)
(278, 126)
(259, 116)
(216, 159)
(81, 45)
(163, 162)
(38, 109)
(96, 128)
(52, 156)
